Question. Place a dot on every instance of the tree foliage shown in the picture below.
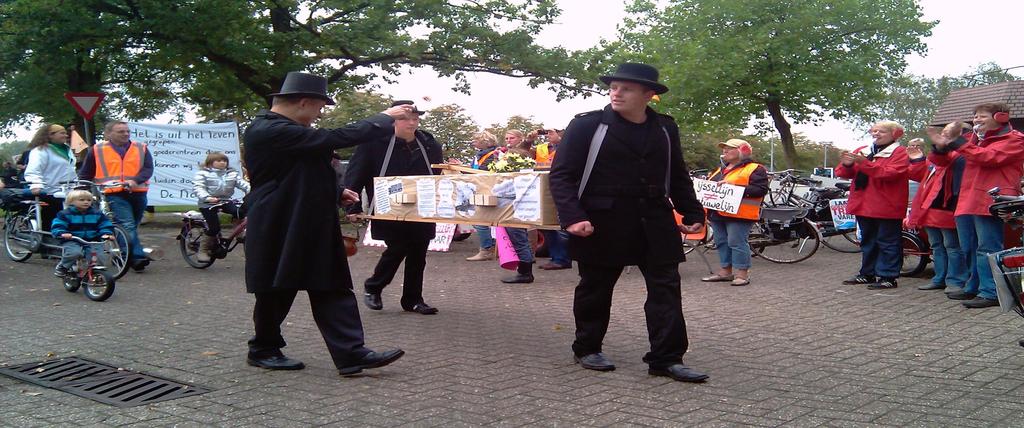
(225, 57)
(453, 129)
(913, 100)
(799, 60)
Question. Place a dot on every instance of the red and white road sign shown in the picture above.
(85, 102)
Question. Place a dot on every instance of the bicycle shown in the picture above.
(90, 274)
(193, 230)
(784, 235)
(24, 234)
(816, 200)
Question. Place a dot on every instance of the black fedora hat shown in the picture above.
(297, 83)
(408, 103)
(639, 73)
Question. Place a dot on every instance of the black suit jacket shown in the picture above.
(625, 199)
(406, 159)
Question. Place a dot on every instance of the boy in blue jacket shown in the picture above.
(82, 220)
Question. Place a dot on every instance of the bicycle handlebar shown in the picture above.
(77, 239)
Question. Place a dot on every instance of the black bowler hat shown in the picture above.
(297, 83)
(408, 103)
(639, 73)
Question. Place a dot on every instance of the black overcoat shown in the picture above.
(625, 198)
(293, 239)
(406, 159)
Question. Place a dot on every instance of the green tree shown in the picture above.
(351, 107)
(11, 149)
(224, 57)
(913, 100)
(729, 62)
(454, 129)
(516, 122)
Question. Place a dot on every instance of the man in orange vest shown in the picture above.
(121, 160)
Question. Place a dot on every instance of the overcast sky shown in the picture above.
(969, 33)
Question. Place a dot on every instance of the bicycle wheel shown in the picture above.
(188, 242)
(843, 242)
(118, 252)
(18, 238)
(916, 255)
(99, 286)
(792, 244)
(71, 282)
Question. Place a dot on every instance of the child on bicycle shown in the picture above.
(80, 219)
(214, 184)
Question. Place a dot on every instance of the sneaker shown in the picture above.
(60, 271)
(860, 280)
(884, 284)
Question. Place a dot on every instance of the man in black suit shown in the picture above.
(617, 177)
(409, 151)
(293, 239)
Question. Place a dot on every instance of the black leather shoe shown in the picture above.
(884, 284)
(980, 302)
(421, 308)
(860, 280)
(277, 362)
(371, 361)
(595, 362)
(372, 301)
(140, 265)
(960, 295)
(931, 286)
(680, 373)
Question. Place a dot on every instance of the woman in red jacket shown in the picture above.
(878, 197)
(995, 158)
(932, 209)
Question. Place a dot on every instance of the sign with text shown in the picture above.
(718, 196)
(442, 242)
(178, 151)
(840, 218)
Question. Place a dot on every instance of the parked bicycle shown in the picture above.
(1008, 265)
(193, 230)
(90, 274)
(817, 201)
(784, 235)
(24, 234)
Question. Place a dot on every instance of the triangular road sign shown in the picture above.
(85, 102)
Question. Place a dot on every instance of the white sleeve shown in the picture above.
(34, 169)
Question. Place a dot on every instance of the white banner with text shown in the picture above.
(718, 196)
(178, 150)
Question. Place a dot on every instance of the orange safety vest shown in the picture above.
(545, 156)
(750, 208)
(111, 168)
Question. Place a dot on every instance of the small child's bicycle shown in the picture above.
(90, 273)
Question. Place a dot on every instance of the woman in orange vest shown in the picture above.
(731, 230)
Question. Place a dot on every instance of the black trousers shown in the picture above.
(50, 210)
(666, 328)
(213, 219)
(414, 252)
(336, 314)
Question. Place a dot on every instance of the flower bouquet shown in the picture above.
(511, 162)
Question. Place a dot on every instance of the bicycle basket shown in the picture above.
(1007, 266)
(1007, 208)
(782, 215)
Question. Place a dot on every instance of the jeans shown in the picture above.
(881, 252)
(557, 242)
(731, 242)
(128, 209)
(74, 250)
(486, 240)
(950, 268)
(521, 242)
(980, 235)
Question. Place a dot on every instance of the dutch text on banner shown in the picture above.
(718, 196)
(178, 151)
(841, 219)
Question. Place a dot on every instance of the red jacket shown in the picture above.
(996, 161)
(935, 181)
(887, 190)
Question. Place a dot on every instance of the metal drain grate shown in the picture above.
(101, 382)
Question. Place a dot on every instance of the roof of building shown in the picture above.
(960, 103)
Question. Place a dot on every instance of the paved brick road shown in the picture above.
(793, 349)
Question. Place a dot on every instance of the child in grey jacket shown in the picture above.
(214, 185)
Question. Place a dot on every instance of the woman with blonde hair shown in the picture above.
(50, 162)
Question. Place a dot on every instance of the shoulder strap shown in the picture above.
(425, 158)
(387, 157)
(595, 146)
(668, 160)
